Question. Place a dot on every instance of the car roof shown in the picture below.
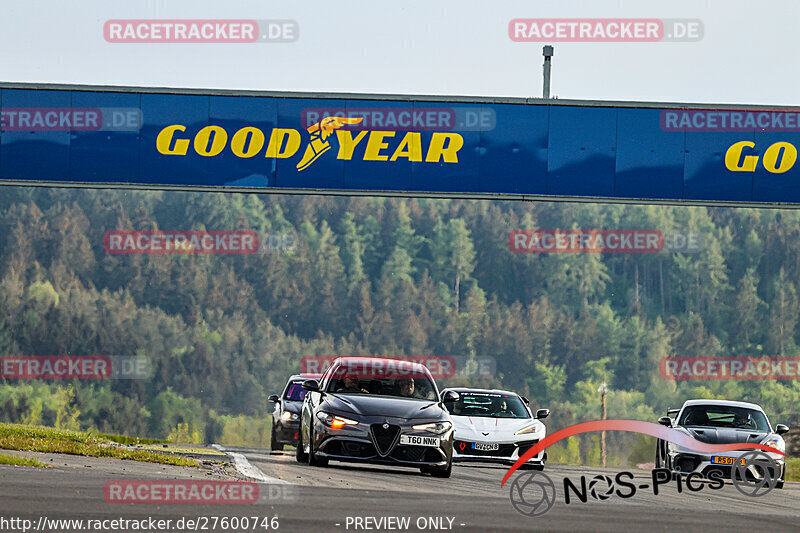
(417, 367)
(728, 403)
(487, 391)
(303, 377)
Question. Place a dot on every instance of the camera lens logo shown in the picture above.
(753, 472)
(533, 493)
(597, 486)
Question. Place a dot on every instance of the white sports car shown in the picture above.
(719, 422)
(495, 426)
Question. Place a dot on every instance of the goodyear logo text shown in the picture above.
(282, 143)
(778, 158)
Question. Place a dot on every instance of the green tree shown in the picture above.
(453, 255)
(782, 319)
(747, 310)
(352, 253)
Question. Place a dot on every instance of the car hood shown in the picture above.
(292, 407)
(726, 435)
(366, 405)
(471, 427)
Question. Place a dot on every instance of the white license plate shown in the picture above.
(486, 447)
(414, 440)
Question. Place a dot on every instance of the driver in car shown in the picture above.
(742, 421)
(503, 409)
(407, 387)
(351, 385)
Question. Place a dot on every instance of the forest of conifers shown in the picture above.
(382, 276)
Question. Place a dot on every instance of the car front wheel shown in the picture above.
(274, 444)
(439, 471)
(659, 461)
(300, 455)
(313, 460)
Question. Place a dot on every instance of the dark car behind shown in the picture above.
(286, 411)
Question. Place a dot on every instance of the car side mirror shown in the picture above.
(665, 421)
(780, 429)
(526, 400)
(542, 413)
(274, 398)
(311, 385)
(450, 396)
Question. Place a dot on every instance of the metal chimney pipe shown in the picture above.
(547, 52)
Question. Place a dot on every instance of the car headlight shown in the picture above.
(335, 421)
(288, 415)
(434, 427)
(777, 443)
(533, 428)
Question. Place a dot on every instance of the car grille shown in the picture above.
(687, 463)
(418, 454)
(527, 446)
(724, 471)
(465, 448)
(384, 439)
(349, 449)
(409, 453)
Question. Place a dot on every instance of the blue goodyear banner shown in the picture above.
(418, 145)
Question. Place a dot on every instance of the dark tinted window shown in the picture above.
(489, 405)
(724, 416)
(419, 388)
(295, 392)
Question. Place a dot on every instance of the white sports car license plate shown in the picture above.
(486, 447)
(414, 440)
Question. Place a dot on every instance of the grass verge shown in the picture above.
(793, 469)
(174, 448)
(19, 461)
(124, 439)
(50, 440)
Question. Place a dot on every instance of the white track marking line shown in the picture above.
(245, 468)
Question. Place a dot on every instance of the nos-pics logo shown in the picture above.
(534, 493)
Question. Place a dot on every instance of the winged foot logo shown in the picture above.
(283, 143)
(319, 133)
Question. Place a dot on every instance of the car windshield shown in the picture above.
(417, 387)
(295, 392)
(723, 416)
(489, 405)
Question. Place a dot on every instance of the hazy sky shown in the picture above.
(748, 53)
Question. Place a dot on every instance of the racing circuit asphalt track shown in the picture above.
(318, 499)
